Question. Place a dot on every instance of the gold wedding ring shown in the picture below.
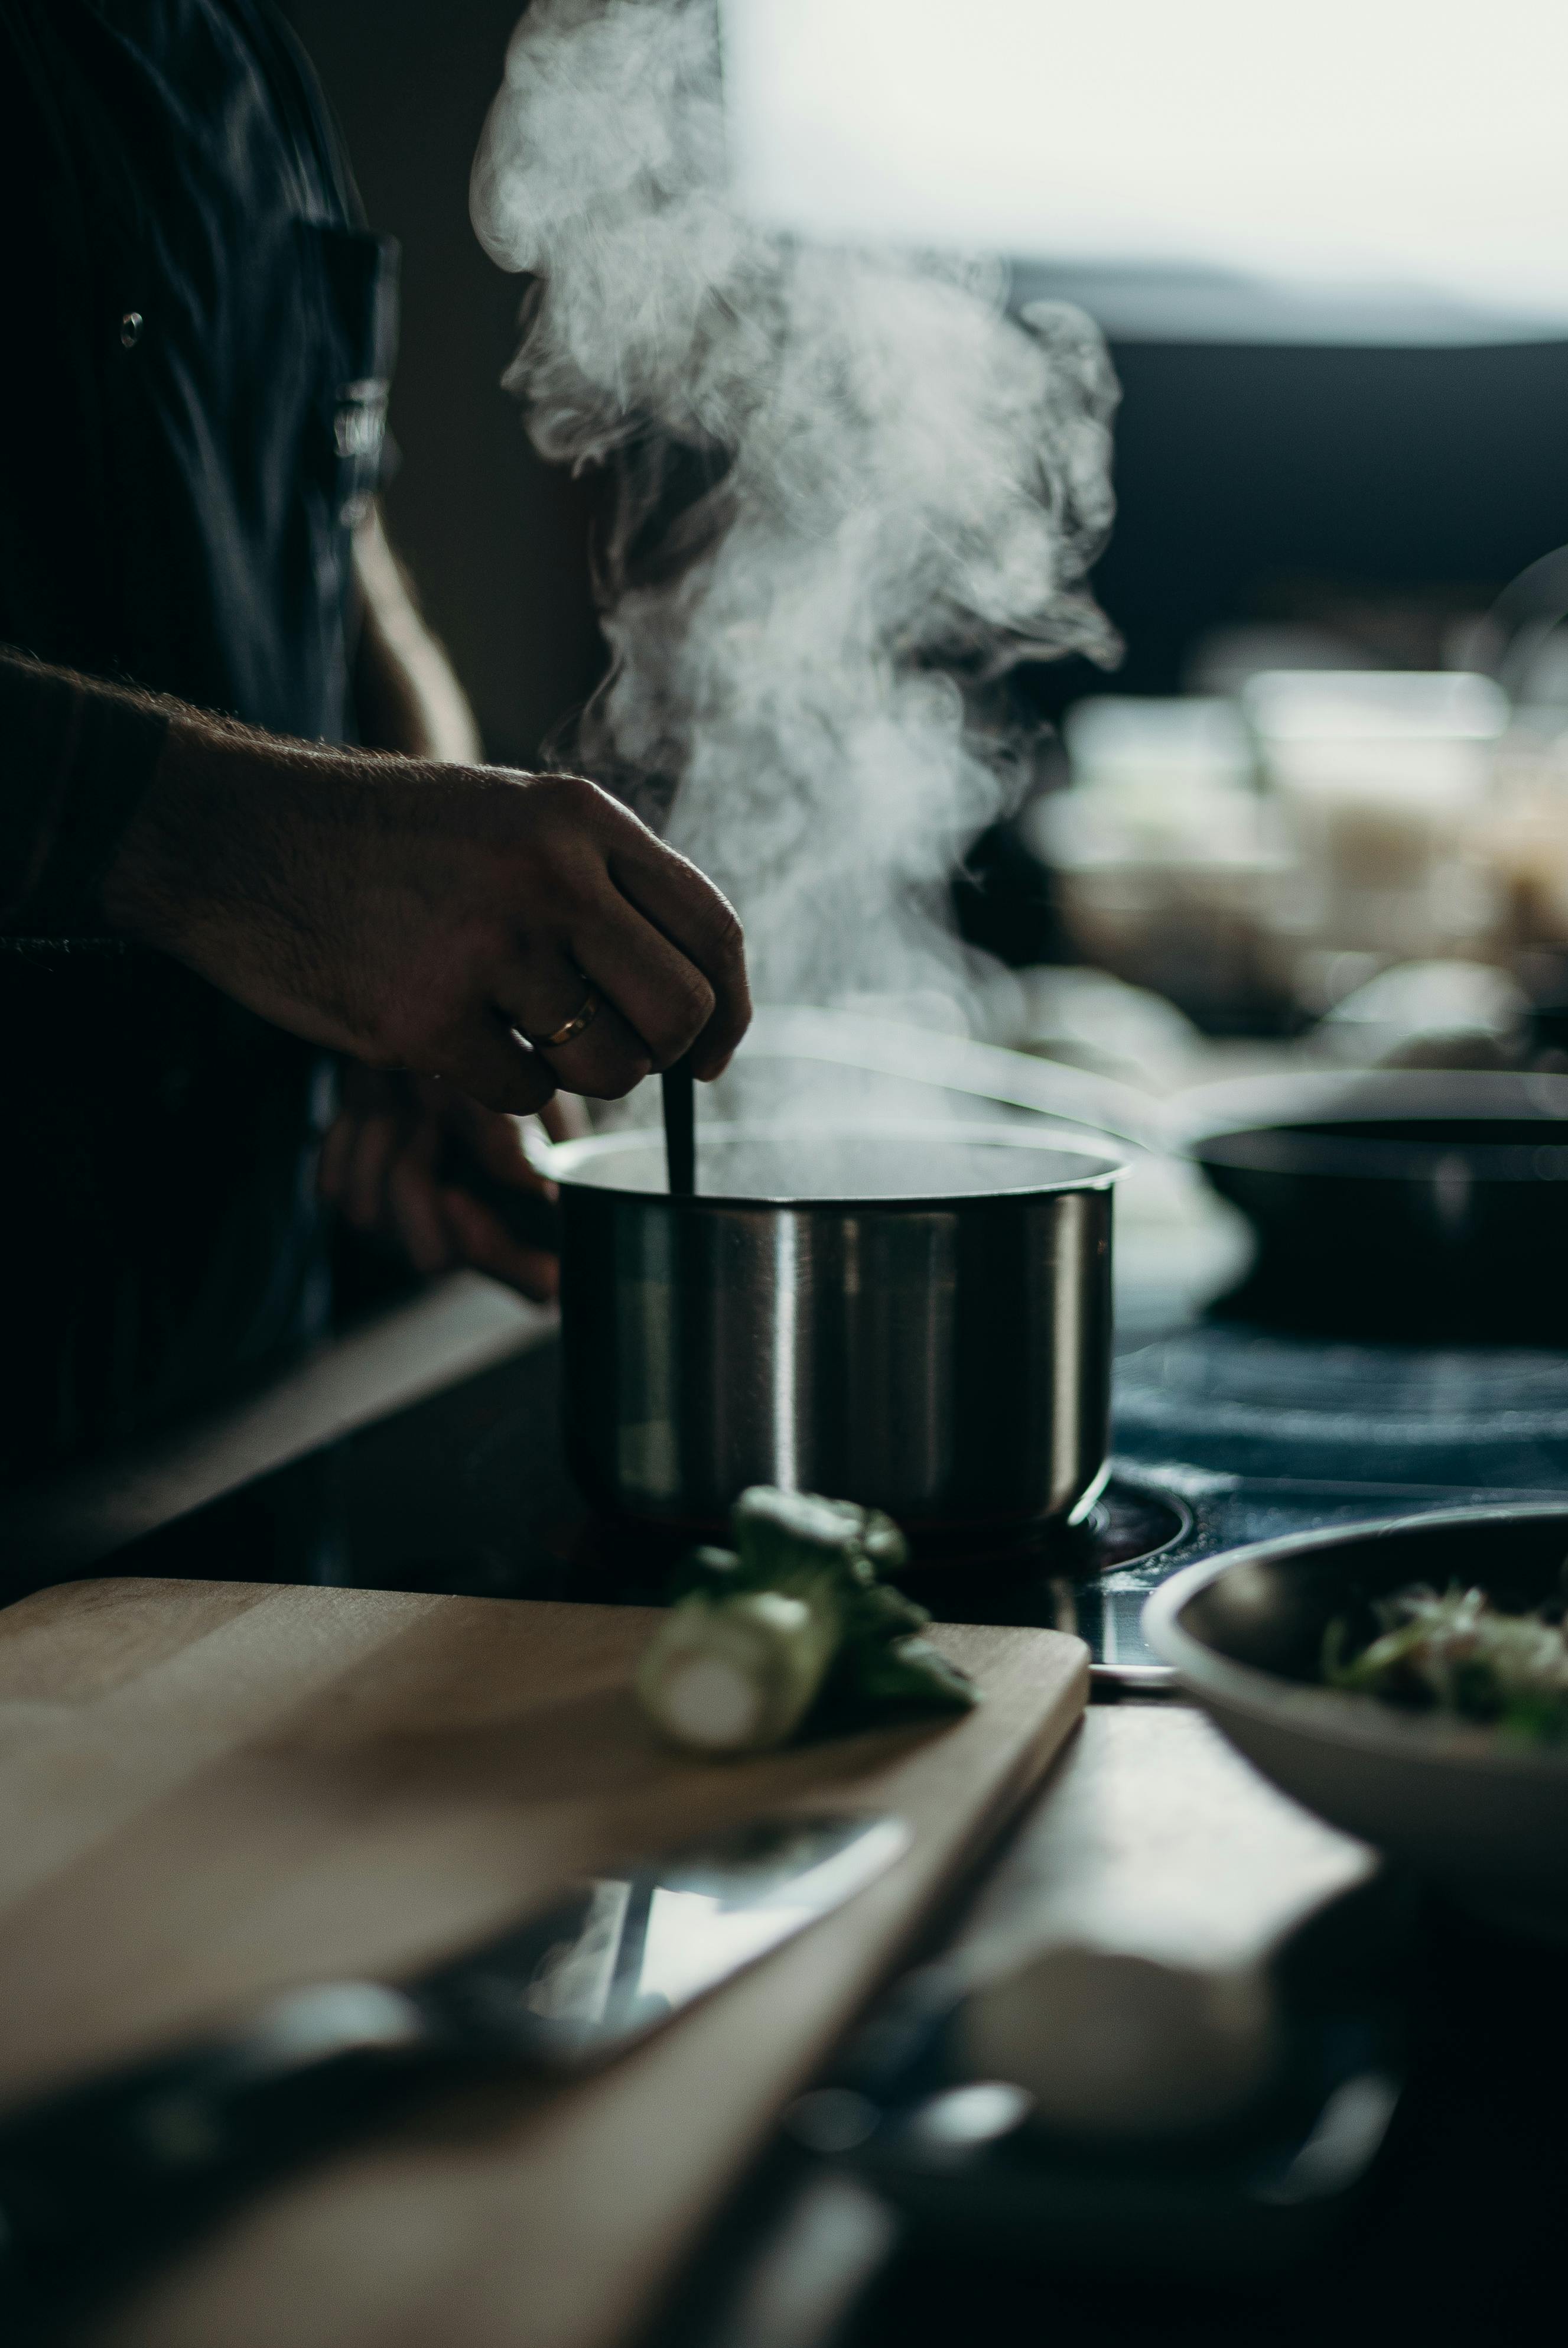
(571, 1027)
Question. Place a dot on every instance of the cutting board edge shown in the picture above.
(662, 2278)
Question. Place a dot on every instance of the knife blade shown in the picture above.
(102, 2178)
(624, 1953)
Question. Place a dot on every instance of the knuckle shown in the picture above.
(682, 1009)
(692, 1005)
(724, 941)
(570, 800)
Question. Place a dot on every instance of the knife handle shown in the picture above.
(100, 2178)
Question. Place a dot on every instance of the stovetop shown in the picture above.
(1258, 1434)
(1223, 1435)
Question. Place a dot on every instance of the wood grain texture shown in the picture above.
(1158, 1836)
(217, 1789)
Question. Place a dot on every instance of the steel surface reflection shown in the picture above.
(620, 1953)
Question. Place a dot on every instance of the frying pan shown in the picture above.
(1423, 1206)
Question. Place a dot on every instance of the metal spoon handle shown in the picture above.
(680, 1130)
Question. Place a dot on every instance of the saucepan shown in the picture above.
(917, 1318)
(1397, 1203)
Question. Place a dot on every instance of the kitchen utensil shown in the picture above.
(122, 2163)
(918, 1319)
(1402, 1204)
(1484, 1817)
(680, 1130)
(216, 1792)
(975, 2176)
(1121, 2048)
(1046, 2088)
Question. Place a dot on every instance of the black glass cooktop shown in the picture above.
(1223, 1436)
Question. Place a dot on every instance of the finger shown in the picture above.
(365, 1177)
(416, 1207)
(564, 1119)
(661, 994)
(694, 916)
(541, 992)
(483, 1241)
(497, 1144)
(488, 1060)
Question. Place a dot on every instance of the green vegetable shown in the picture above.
(1457, 1654)
(792, 1621)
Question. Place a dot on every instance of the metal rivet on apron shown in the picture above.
(130, 327)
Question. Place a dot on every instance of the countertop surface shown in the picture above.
(422, 1455)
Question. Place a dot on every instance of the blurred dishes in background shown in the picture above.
(1378, 777)
(1088, 1019)
(1168, 859)
(1257, 858)
(1524, 834)
(1430, 1015)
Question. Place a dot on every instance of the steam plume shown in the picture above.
(849, 495)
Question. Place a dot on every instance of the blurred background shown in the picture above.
(1332, 265)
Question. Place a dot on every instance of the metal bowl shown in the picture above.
(917, 1318)
(1419, 1206)
(1485, 1817)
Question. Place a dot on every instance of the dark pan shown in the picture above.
(1411, 1205)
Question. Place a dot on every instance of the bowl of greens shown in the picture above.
(1408, 1681)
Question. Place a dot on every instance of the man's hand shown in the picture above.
(392, 1165)
(432, 918)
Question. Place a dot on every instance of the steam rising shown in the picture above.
(849, 495)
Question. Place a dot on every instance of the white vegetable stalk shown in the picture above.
(736, 1675)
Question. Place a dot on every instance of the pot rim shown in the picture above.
(565, 1157)
(1296, 1152)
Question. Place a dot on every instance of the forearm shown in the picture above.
(406, 690)
(225, 864)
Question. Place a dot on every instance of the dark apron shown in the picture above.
(201, 342)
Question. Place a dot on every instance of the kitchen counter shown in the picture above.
(420, 1453)
(454, 1331)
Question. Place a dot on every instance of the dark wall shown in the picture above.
(495, 539)
(1254, 482)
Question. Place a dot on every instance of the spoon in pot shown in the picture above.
(680, 1130)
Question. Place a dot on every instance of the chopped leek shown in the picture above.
(1459, 1654)
(793, 1621)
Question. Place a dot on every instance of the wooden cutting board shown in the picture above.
(215, 1789)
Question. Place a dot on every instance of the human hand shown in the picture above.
(387, 1165)
(432, 918)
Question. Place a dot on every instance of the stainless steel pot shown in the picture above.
(918, 1320)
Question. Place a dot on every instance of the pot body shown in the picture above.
(947, 1360)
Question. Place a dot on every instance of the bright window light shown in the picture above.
(1413, 142)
